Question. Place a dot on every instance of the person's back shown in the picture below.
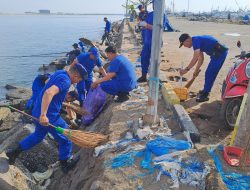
(205, 43)
(125, 73)
(108, 26)
(62, 80)
(37, 86)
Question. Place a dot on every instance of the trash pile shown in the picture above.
(156, 150)
(165, 155)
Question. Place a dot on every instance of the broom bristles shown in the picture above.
(86, 139)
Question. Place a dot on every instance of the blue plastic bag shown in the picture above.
(165, 145)
(94, 104)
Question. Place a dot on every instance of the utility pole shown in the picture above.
(188, 7)
(173, 7)
(126, 8)
(151, 112)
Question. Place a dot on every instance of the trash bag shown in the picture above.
(93, 104)
(165, 145)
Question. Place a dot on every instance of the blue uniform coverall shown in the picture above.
(62, 80)
(37, 87)
(206, 44)
(146, 50)
(125, 79)
(108, 27)
(89, 64)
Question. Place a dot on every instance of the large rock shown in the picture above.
(4, 112)
(19, 93)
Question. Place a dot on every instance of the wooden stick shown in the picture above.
(76, 109)
(192, 80)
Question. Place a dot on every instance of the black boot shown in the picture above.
(69, 163)
(202, 97)
(122, 97)
(143, 78)
(13, 153)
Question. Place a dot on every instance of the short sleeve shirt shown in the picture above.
(62, 80)
(204, 43)
(89, 64)
(124, 70)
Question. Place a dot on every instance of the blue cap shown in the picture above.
(140, 7)
(95, 52)
(82, 71)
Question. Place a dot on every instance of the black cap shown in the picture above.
(183, 38)
(75, 45)
(73, 94)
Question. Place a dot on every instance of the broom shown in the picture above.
(81, 138)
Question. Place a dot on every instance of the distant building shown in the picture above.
(44, 11)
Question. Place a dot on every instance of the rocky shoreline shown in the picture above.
(14, 127)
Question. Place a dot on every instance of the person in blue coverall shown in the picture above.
(88, 60)
(146, 50)
(121, 77)
(142, 17)
(212, 48)
(37, 87)
(47, 108)
(107, 30)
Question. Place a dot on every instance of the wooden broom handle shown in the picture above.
(30, 116)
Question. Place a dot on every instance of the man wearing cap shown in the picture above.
(212, 48)
(88, 60)
(121, 77)
(146, 50)
(142, 17)
(107, 30)
(47, 109)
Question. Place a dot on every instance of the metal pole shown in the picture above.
(151, 112)
(126, 9)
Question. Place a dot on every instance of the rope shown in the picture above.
(155, 79)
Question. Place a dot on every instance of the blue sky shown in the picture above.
(109, 6)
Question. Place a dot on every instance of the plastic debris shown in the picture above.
(232, 180)
(144, 133)
(116, 144)
(192, 172)
(173, 154)
(123, 160)
(164, 145)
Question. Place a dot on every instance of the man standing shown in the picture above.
(88, 60)
(146, 50)
(107, 30)
(121, 77)
(211, 47)
(142, 17)
(47, 109)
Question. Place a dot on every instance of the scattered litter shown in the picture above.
(123, 160)
(144, 133)
(128, 136)
(164, 145)
(117, 145)
(174, 154)
(232, 180)
(232, 34)
(190, 172)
